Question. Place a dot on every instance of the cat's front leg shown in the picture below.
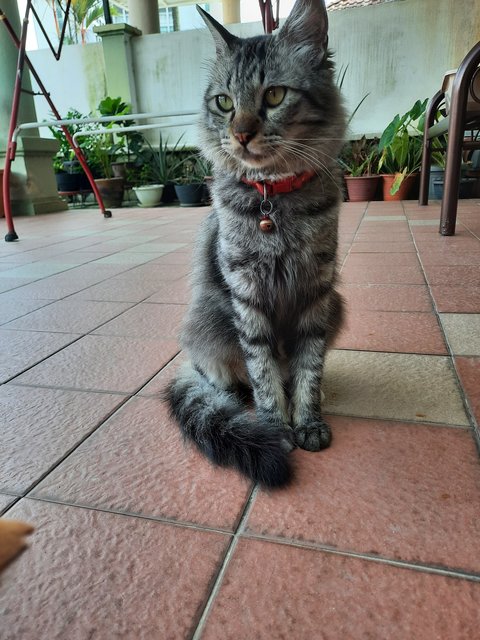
(255, 334)
(311, 431)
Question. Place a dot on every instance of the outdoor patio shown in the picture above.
(138, 537)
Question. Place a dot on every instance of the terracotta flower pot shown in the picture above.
(404, 190)
(361, 188)
(111, 190)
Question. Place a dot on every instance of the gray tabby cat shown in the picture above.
(264, 304)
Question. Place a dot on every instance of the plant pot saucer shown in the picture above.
(193, 204)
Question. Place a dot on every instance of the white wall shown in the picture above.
(76, 81)
(395, 51)
(398, 52)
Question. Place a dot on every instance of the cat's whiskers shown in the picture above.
(285, 163)
(301, 152)
(318, 139)
(311, 162)
(280, 143)
(310, 157)
(310, 148)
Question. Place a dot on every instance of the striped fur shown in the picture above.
(264, 306)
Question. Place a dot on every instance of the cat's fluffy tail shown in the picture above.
(225, 432)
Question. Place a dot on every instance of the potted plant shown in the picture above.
(190, 183)
(111, 188)
(400, 149)
(67, 175)
(66, 167)
(358, 159)
(158, 167)
(68, 172)
(148, 192)
(126, 146)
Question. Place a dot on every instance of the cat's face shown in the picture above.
(271, 107)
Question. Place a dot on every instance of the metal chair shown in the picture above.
(461, 93)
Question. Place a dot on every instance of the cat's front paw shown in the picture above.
(313, 436)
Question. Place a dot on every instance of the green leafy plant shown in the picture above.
(342, 72)
(83, 15)
(100, 150)
(193, 170)
(125, 146)
(64, 159)
(160, 164)
(100, 157)
(359, 157)
(401, 144)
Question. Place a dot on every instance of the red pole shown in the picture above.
(12, 146)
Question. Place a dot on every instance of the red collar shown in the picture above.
(292, 183)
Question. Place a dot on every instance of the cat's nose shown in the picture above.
(244, 137)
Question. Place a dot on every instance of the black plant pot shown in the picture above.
(71, 166)
(84, 182)
(67, 181)
(190, 195)
(464, 189)
(168, 195)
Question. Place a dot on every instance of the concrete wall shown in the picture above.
(76, 81)
(397, 52)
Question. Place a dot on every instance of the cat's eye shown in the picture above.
(224, 103)
(274, 96)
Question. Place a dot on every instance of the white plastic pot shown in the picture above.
(149, 195)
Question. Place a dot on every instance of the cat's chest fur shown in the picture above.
(275, 270)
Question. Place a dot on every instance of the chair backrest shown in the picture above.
(473, 101)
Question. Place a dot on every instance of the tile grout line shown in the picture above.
(126, 398)
(401, 564)
(89, 262)
(357, 229)
(406, 421)
(450, 354)
(82, 335)
(9, 506)
(78, 444)
(79, 336)
(16, 375)
(225, 563)
(180, 524)
(241, 533)
(138, 395)
(94, 233)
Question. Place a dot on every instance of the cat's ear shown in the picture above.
(223, 38)
(307, 24)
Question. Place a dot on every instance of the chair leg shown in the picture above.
(425, 171)
(430, 114)
(458, 108)
(448, 215)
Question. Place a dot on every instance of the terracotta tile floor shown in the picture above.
(138, 537)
